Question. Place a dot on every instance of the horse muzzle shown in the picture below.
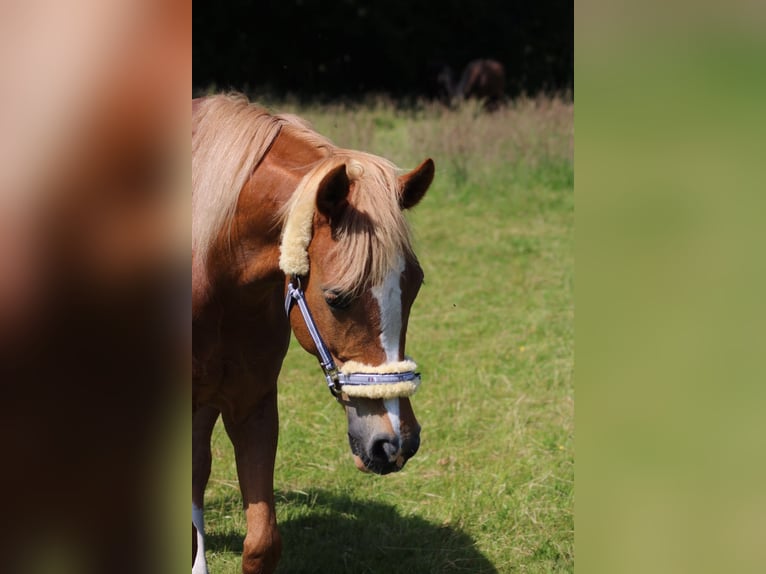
(383, 453)
(382, 440)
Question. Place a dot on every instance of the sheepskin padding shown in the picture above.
(384, 390)
(351, 367)
(296, 235)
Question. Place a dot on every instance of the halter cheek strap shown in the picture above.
(385, 382)
(295, 295)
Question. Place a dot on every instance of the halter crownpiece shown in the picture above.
(385, 381)
(299, 224)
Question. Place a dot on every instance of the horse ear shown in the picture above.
(333, 192)
(415, 184)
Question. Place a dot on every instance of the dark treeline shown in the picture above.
(332, 48)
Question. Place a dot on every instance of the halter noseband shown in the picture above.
(368, 384)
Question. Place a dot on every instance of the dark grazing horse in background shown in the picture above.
(481, 79)
(290, 231)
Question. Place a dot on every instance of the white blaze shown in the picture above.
(389, 298)
(200, 564)
(392, 406)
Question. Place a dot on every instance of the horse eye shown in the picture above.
(336, 300)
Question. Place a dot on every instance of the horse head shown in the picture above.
(351, 253)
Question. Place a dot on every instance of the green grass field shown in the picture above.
(492, 487)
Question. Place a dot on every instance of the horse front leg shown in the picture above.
(203, 421)
(255, 445)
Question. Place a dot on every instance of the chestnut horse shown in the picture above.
(291, 231)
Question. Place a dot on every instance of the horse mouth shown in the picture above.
(369, 466)
(359, 463)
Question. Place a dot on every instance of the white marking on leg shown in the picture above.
(389, 298)
(200, 564)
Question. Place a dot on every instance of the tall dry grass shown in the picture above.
(526, 131)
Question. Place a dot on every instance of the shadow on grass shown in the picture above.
(326, 533)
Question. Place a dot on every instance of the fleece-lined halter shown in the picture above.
(355, 379)
(385, 381)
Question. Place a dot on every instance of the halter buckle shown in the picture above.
(333, 379)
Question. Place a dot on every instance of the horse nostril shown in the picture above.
(385, 448)
(411, 446)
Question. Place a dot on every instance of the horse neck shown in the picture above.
(256, 234)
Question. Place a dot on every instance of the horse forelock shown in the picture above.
(370, 236)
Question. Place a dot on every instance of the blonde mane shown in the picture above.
(231, 137)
